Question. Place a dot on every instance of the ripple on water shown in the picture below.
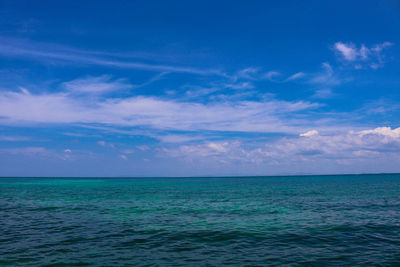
(343, 220)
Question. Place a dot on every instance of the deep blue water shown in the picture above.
(262, 221)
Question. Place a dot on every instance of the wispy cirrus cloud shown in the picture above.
(53, 53)
(239, 86)
(178, 138)
(271, 75)
(382, 106)
(296, 76)
(8, 138)
(156, 113)
(348, 51)
(96, 85)
(363, 56)
(323, 93)
(27, 151)
(250, 73)
(326, 77)
(256, 74)
(124, 157)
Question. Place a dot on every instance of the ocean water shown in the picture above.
(249, 221)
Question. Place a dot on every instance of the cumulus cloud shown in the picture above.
(221, 152)
(340, 146)
(309, 133)
(353, 145)
(383, 131)
(217, 147)
(362, 56)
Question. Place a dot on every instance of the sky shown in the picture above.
(199, 88)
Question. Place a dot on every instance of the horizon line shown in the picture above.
(225, 176)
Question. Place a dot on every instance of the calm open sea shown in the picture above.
(263, 221)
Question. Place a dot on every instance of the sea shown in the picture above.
(338, 220)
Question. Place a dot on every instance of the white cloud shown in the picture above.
(309, 133)
(151, 80)
(60, 108)
(217, 147)
(96, 85)
(296, 76)
(379, 47)
(364, 56)
(254, 74)
(24, 90)
(143, 147)
(364, 52)
(379, 140)
(27, 151)
(348, 51)
(342, 147)
(13, 138)
(250, 73)
(327, 77)
(240, 86)
(194, 92)
(128, 151)
(271, 75)
(105, 144)
(123, 157)
(384, 131)
(323, 93)
(101, 143)
(222, 152)
(53, 53)
(67, 150)
(174, 138)
(380, 107)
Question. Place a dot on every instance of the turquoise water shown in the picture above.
(263, 221)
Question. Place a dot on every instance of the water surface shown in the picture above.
(249, 221)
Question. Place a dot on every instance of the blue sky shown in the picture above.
(193, 88)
